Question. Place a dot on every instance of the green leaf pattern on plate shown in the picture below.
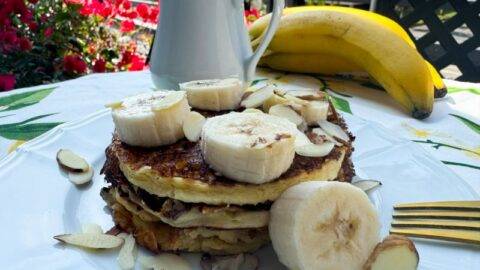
(452, 90)
(469, 123)
(18, 101)
(25, 130)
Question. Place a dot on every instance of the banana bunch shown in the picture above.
(331, 40)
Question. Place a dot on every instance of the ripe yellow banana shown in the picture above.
(309, 63)
(397, 66)
(259, 26)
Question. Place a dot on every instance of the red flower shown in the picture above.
(127, 4)
(99, 66)
(154, 14)
(143, 11)
(33, 1)
(33, 26)
(7, 82)
(25, 44)
(85, 10)
(106, 11)
(73, 63)
(126, 59)
(48, 32)
(127, 26)
(138, 63)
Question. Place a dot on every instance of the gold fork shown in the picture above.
(457, 221)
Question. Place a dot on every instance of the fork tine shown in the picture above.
(471, 237)
(453, 214)
(439, 224)
(445, 205)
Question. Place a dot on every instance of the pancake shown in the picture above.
(184, 215)
(178, 171)
(159, 237)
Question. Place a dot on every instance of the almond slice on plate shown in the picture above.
(114, 105)
(367, 185)
(306, 94)
(81, 178)
(334, 130)
(192, 126)
(301, 139)
(395, 252)
(71, 162)
(164, 261)
(128, 252)
(314, 150)
(272, 101)
(92, 228)
(90, 240)
(286, 112)
(257, 98)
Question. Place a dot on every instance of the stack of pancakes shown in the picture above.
(170, 199)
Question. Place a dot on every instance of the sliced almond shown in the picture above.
(164, 261)
(114, 105)
(127, 255)
(315, 150)
(192, 126)
(90, 240)
(322, 134)
(315, 111)
(301, 139)
(306, 94)
(272, 101)
(168, 101)
(395, 252)
(252, 110)
(258, 97)
(334, 130)
(92, 228)
(71, 162)
(81, 178)
(367, 185)
(280, 91)
(286, 112)
(295, 100)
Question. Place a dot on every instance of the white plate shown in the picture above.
(38, 202)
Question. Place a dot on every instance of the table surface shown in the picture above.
(451, 133)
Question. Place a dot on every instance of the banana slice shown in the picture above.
(272, 101)
(249, 147)
(315, 111)
(151, 119)
(192, 126)
(256, 98)
(323, 225)
(252, 110)
(323, 136)
(214, 95)
(286, 112)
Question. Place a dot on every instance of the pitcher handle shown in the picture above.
(278, 6)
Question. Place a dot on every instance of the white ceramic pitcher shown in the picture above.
(205, 39)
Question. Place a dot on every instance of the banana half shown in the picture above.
(249, 147)
(151, 119)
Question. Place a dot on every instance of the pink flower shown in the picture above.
(73, 63)
(127, 26)
(154, 14)
(7, 82)
(48, 32)
(99, 66)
